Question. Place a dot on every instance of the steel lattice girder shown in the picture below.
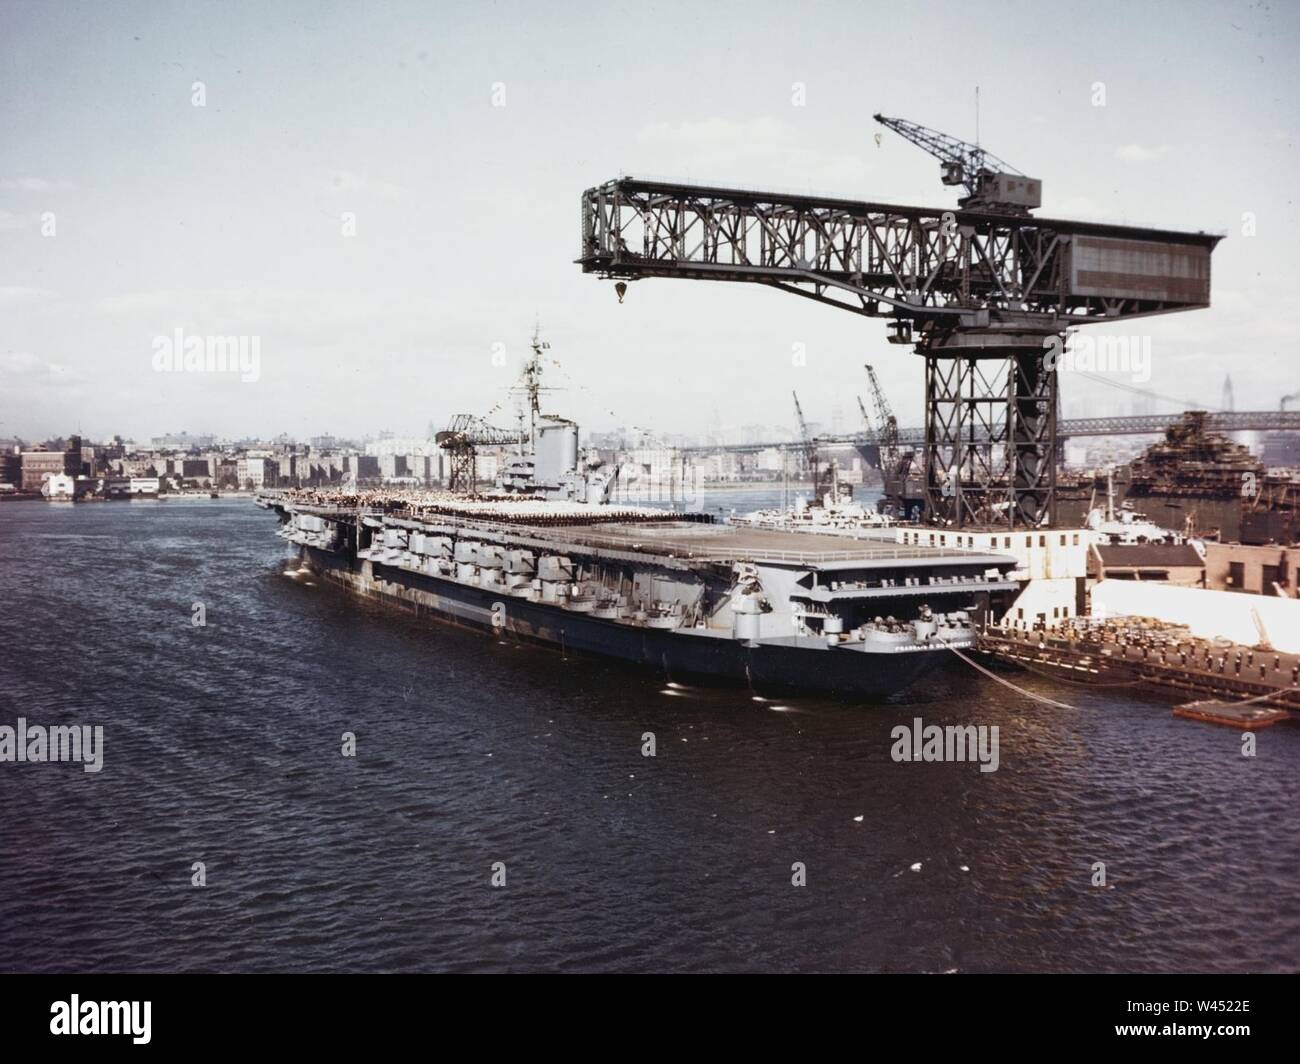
(991, 430)
(965, 446)
(463, 474)
(942, 268)
(1031, 411)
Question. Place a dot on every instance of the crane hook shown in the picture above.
(621, 289)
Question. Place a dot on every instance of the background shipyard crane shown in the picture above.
(810, 463)
(895, 463)
(461, 440)
(886, 430)
(983, 292)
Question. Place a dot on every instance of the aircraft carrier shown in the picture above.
(546, 558)
(690, 598)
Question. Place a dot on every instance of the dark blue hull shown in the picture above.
(676, 654)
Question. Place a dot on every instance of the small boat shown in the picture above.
(1246, 716)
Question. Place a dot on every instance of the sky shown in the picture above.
(459, 137)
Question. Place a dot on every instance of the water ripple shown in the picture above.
(223, 746)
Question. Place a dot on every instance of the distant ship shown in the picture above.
(1124, 525)
(835, 513)
(1200, 483)
(1193, 480)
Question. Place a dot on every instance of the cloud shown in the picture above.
(320, 328)
(250, 309)
(751, 133)
(744, 151)
(17, 294)
(349, 183)
(26, 365)
(1140, 153)
(32, 184)
(9, 222)
(1084, 208)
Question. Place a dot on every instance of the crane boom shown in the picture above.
(803, 425)
(473, 431)
(887, 424)
(809, 444)
(989, 182)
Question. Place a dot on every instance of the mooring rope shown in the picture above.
(1069, 679)
(1258, 698)
(1005, 683)
(1079, 683)
(1062, 705)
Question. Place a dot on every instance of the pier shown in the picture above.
(1148, 654)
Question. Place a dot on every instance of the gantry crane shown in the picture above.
(985, 293)
(461, 439)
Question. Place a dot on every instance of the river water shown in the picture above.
(222, 746)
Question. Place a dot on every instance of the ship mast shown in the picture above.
(532, 383)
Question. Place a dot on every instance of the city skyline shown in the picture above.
(836, 424)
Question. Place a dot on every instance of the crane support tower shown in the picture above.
(984, 293)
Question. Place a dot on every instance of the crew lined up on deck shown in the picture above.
(510, 509)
